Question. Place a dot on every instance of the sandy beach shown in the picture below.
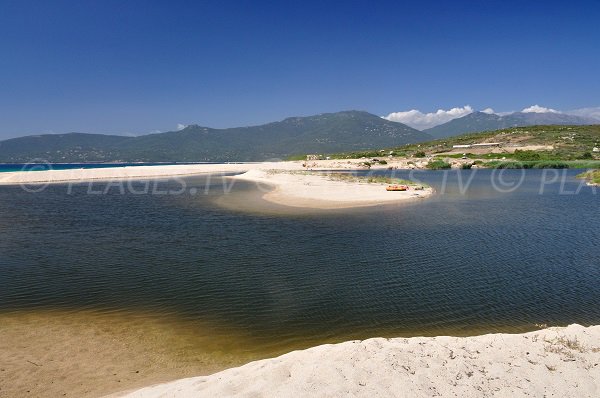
(305, 189)
(562, 362)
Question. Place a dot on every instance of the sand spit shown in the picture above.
(113, 173)
(296, 183)
(157, 171)
(307, 189)
(560, 362)
(165, 171)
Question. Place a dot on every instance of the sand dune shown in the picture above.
(560, 362)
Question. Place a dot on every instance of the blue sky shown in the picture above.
(140, 66)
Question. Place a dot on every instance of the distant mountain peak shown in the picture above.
(481, 121)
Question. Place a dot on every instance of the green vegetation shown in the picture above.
(349, 177)
(363, 154)
(519, 155)
(591, 176)
(546, 164)
(438, 164)
(370, 179)
(544, 147)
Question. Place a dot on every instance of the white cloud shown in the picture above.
(539, 109)
(181, 126)
(586, 112)
(420, 120)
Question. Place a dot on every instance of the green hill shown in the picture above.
(560, 142)
(329, 132)
(61, 147)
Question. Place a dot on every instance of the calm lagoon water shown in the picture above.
(462, 262)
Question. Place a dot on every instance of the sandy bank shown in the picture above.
(111, 173)
(156, 171)
(295, 186)
(563, 362)
(164, 171)
(305, 189)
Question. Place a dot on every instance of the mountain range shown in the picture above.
(480, 121)
(323, 133)
(345, 131)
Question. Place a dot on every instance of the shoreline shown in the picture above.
(156, 171)
(294, 185)
(562, 361)
(113, 173)
(301, 189)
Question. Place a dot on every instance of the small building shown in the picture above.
(482, 145)
(314, 157)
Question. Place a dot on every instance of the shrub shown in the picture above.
(438, 164)
(526, 155)
(419, 154)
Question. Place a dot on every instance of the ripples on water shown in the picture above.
(460, 264)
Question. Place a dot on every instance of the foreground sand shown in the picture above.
(305, 189)
(560, 362)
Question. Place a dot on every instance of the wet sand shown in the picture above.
(89, 354)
